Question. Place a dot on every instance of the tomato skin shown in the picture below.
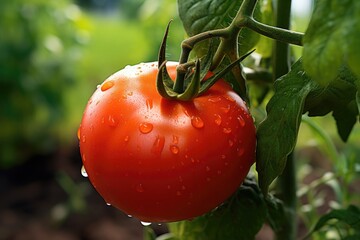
(164, 160)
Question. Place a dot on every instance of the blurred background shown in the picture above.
(53, 54)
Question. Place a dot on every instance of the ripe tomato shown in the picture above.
(164, 160)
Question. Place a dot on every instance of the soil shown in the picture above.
(37, 203)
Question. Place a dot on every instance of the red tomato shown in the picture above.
(164, 160)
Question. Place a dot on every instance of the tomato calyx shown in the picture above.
(191, 79)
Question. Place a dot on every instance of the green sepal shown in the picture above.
(192, 90)
(163, 84)
(212, 80)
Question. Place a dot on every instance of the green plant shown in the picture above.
(39, 44)
(323, 80)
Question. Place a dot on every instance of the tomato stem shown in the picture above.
(287, 181)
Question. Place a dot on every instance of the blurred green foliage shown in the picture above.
(38, 44)
(55, 53)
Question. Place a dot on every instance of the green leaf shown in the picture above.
(332, 39)
(277, 217)
(240, 217)
(340, 98)
(349, 216)
(202, 15)
(277, 134)
(149, 233)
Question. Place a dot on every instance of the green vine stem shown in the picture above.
(286, 181)
(229, 42)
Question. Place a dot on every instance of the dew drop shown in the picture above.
(223, 156)
(130, 216)
(140, 188)
(78, 133)
(178, 193)
(83, 171)
(175, 139)
(183, 187)
(109, 204)
(145, 224)
(83, 138)
(231, 143)
(174, 149)
(214, 99)
(149, 104)
(197, 122)
(227, 130)
(158, 145)
(186, 113)
(112, 121)
(226, 109)
(240, 151)
(241, 121)
(107, 85)
(207, 168)
(145, 127)
(217, 119)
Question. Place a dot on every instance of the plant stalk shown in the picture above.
(287, 181)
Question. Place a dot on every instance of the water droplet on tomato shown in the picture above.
(183, 187)
(175, 139)
(78, 133)
(214, 99)
(83, 138)
(241, 121)
(197, 122)
(186, 113)
(207, 168)
(178, 193)
(145, 224)
(208, 179)
(139, 188)
(226, 109)
(231, 143)
(109, 204)
(107, 85)
(227, 130)
(217, 119)
(145, 127)
(83, 171)
(112, 121)
(174, 149)
(218, 172)
(126, 138)
(240, 151)
(130, 216)
(223, 156)
(158, 145)
(149, 104)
